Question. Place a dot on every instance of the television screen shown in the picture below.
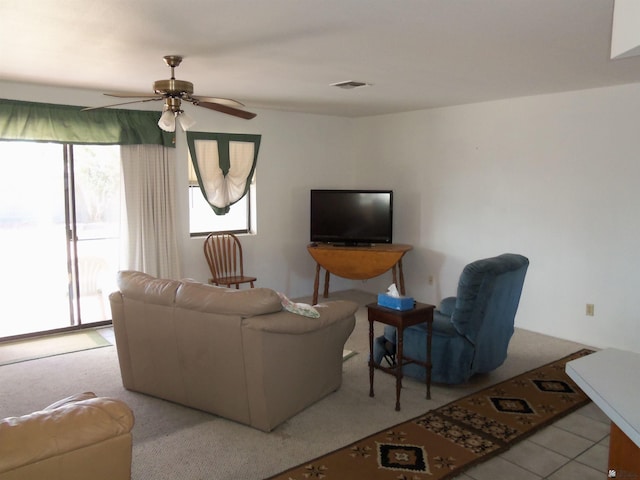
(352, 217)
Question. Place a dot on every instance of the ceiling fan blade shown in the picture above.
(223, 101)
(123, 103)
(131, 95)
(226, 109)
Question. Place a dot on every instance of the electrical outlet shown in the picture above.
(590, 309)
(431, 280)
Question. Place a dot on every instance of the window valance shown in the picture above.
(224, 164)
(45, 122)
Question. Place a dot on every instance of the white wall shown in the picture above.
(552, 177)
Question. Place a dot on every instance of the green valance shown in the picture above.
(224, 164)
(45, 122)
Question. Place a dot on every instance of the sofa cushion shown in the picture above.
(141, 286)
(212, 299)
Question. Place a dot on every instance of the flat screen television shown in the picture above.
(352, 217)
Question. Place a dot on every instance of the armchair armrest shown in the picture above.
(65, 426)
(447, 306)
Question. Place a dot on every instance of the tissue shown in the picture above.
(392, 299)
(392, 291)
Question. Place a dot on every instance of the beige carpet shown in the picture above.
(47, 346)
(173, 442)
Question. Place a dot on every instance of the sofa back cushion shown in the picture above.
(141, 286)
(198, 296)
(212, 299)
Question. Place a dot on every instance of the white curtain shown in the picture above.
(150, 239)
(223, 164)
(223, 190)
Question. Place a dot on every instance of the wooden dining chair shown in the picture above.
(223, 252)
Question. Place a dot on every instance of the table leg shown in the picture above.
(398, 367)
(623, 454)
(401, 275)
(371, 368)
(428, 358)
(394, 276)
(316, 284)
(326, 284)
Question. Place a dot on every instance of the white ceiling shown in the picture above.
(284, 54)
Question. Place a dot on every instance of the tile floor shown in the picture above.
(576, 447)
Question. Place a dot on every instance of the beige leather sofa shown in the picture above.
(78, 438)
(234, 353)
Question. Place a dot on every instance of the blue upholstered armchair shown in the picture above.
(471, 331)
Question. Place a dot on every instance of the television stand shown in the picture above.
(357, 262)
(351, 245)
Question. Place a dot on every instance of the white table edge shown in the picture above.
(606, 398)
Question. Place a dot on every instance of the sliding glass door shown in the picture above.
(59, 235)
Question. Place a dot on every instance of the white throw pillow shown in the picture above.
(303, 309)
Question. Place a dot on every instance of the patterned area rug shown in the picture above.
(446, 441)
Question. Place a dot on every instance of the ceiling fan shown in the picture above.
(174, 92)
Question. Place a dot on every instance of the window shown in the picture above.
(202, 219)
(59, 221)
(222, 183)
(98, 151)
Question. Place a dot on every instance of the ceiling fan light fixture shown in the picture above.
(186, 121)
(167, 121)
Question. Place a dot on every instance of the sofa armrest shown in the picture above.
(291, 361)
(61, 428)
(291, 323)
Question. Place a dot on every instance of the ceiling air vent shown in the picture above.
(350, 84)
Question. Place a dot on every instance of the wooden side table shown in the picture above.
(357, 263)
(421, 313)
